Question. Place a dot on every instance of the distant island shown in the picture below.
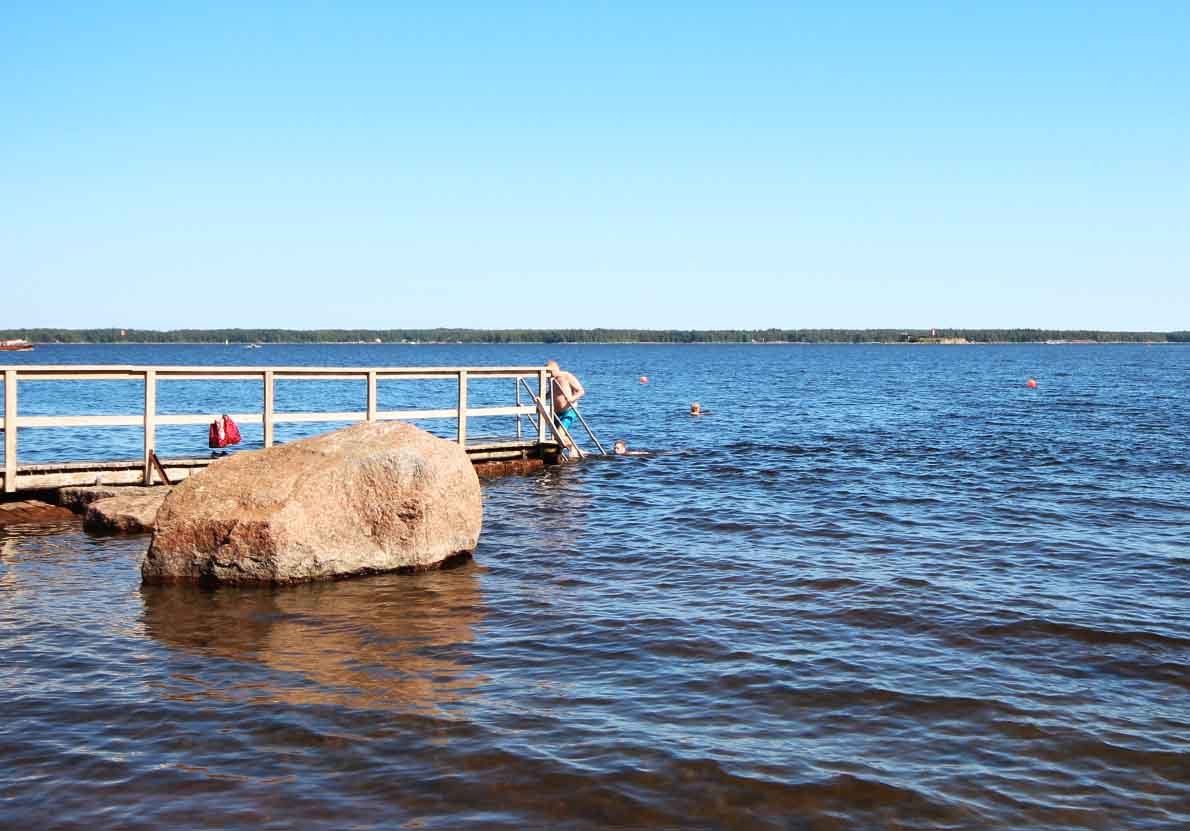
(443, 335)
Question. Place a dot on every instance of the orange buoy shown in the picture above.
(1031, 383)
(644, 379)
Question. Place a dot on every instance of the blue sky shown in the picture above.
(602, 164)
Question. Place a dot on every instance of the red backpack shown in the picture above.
(223, 432)
(230, 431)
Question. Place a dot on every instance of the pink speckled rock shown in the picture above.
(375, 497)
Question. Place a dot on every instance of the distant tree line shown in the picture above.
(443, 335)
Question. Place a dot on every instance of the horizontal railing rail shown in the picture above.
(150, 419)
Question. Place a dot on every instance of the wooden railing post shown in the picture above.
(371, 395)
(541, 388)
(10, 431)
(516, 382)
(463, 407)
(150, 423)
(266, 415)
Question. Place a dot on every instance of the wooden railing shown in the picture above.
(151, 375)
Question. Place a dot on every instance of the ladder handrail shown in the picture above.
(554, 423)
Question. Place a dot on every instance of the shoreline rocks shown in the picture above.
(131, 513)
(79, 497)
(376, 497)
(32, 512)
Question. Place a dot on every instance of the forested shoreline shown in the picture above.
(447, 335)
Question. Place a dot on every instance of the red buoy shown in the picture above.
(1031, 383)
(644, 379)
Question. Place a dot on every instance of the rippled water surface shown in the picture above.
(878, 587)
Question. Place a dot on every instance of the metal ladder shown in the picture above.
(560, 431)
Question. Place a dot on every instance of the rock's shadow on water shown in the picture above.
(388, 642)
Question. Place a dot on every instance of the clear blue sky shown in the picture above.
(618, 164)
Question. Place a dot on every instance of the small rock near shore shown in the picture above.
(135, 513)
(79, 497)
(32, 512)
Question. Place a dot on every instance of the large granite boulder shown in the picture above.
(375, 497)
(133, 512)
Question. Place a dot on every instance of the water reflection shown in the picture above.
(563, 499)
(395, 642)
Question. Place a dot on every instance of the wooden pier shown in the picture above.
(537, 443)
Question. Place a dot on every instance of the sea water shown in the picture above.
(876, 587)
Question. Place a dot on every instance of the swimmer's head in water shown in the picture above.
(695, 409)
(619, 448)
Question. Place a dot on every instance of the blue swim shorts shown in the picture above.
(568, 417)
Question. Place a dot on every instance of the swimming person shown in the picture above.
(697, 410)
(567, 391)
(620, 448)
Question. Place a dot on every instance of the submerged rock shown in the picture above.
(132, 513)
(375, 497)
(32, 512)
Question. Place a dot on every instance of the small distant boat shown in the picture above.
(253, 346)
(17, 345)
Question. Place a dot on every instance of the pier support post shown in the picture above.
(266, 414)
(541, 396)
(371, 395)
(463, 407)
(150, 423)
(10, 431)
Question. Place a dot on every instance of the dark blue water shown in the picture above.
(878, 587)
